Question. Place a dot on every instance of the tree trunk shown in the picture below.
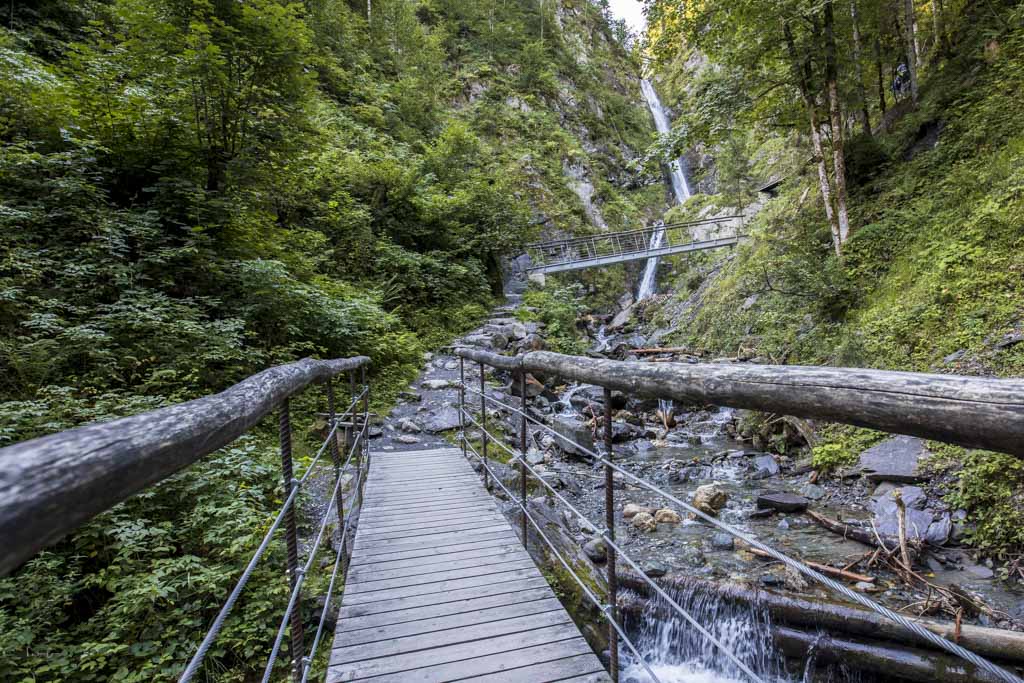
(910, 26)
(836, 115)
(939, 42)
(802, 74)
(881, 78)
(858, 70)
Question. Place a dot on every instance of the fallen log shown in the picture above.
(888, 543)
(665, 349)
(825, 569)
(843, 618)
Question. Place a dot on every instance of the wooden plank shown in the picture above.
(409, 661)
(458, 620)
(439, 586)
(426, 612)
(415, 521)
(408, 534)
(423, 509)
(461, 559)
(427, 515)
(420, 642)
(585, 668)
(437, 524)
(492, 588)
(433, 577)
(438, 541)
(386, 555)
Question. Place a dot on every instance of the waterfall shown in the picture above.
(677, 653)
(680, 187)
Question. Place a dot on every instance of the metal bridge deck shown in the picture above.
(439, 587)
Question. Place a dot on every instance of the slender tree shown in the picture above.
(836, 118)
(910, 26)
(858, 70)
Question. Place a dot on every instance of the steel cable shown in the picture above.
(797, 566)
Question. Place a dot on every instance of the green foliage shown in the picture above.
(559, 310)
(841, 444)
(192, 191)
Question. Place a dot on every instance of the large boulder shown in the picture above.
(446, 419)
(644, 521)
(710, 498)
(764, 466)
(923, 524)
(897, 459)
(575, 431)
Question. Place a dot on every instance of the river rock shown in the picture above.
(813, 491)
(409, 426)
(410, 396)
(534, 387)
(443, 420)
(644, 521)
(632, 510)
(666, 516)
(655, 569)
(896, 459)
(576, 431)
(782, 502)
(689, 473)
(764, 466)
(596, 550)
(435, 384)
(406, 438)
(722, 541)
(922, 524)
(710, 498)
(534, 457)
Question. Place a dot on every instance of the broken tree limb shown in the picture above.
(666, 349)
(824, 569)
(842, 617)
(856, 533)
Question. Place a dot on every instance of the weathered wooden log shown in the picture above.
(51, 485)
(663, 349)
(893, 662)
(841, 617)
(495, 360)
(970, 411)
(825, 569)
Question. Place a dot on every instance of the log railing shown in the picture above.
(51, 485)
(973, 412)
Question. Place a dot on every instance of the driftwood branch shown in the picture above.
(51, 485)
(825, 569)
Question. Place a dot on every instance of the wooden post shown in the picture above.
(365, 445)
(609, 520)
(462, 404)
(522, 451)
(291, 538)
(483, 428)
(339, 499)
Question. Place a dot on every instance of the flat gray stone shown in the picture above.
(764, 466)
(782, 502)
(443, 420)
(896, 459)
(574, 430)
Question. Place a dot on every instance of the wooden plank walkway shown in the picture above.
(440, 589)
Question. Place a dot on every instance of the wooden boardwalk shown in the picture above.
(440, 589)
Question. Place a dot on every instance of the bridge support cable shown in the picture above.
(357, 448)
(519, 364)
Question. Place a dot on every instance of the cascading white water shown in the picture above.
(680, 187)
(677, 653)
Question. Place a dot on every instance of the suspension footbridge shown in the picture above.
(437, 578)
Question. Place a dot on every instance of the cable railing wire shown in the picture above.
(211, 635)
(607, 538)
(602, 607)
(797, 566)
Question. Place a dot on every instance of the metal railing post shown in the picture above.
(522, 452)
(483, 427)
(336, 459)
(365, 445)
(609, 520)
(462, 404)
(291, 536)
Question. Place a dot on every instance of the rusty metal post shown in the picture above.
(609, 520)
(522, 452)
(291, 536)
(483, 427)
(339, 499)
(462, 404)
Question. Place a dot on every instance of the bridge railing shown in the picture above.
(622, 243)
(51, 485)
(974, 412)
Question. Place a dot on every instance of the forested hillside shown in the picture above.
(193, 191)
(896, 238)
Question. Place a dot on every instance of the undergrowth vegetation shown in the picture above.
(193, 191)
(932, 278)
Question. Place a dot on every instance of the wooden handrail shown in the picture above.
(51, 485)
(976, 412)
